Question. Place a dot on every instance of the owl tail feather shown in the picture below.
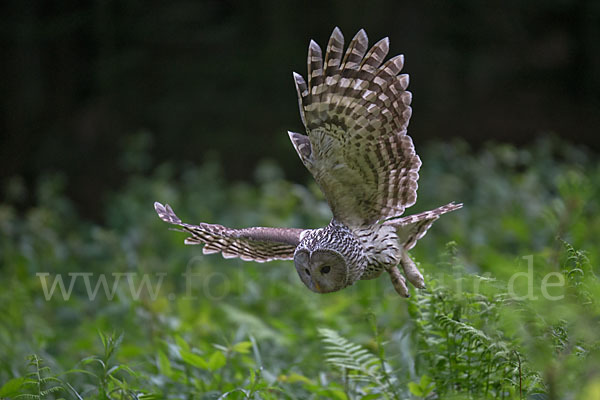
(413, 227)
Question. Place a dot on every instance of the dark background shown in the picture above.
(212, 79)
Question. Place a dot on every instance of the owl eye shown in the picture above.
(307, 271)
(325, 269)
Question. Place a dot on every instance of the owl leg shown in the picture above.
(398, 281)
(410, 270)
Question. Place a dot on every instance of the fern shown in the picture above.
(578, 273)
(459, 356)
(42, 382)
(483, 356)
(355, 362)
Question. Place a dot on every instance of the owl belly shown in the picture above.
(381, 247)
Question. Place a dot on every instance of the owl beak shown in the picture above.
(317, 287)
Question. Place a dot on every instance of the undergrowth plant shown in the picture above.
(363, 374)
(39, 383)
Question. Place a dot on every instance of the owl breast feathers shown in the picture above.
(356, 109)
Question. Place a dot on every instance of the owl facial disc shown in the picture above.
(322, 271)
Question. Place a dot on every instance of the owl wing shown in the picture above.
(250, 244)
(413, 227)
(356, 112)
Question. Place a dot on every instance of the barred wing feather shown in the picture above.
(250, 244)
(356, 110)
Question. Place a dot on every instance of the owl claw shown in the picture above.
(399, 282)
(412, 273)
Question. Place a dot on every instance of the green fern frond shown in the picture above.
(499, 352)
(353, 359)
(53, 389)
(470, 333)
(27, 396)
(40, 378)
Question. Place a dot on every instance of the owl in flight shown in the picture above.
(356, 109)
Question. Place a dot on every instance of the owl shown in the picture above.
(356, 109)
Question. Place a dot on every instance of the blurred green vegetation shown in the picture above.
(248, 330)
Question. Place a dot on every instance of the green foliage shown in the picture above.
(494, 322)
(423, 388)
(357, 365)
(459, 356)
(38, 383)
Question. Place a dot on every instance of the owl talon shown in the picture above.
(399, 282)
(411, 271)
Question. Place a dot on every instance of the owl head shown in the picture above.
(329, 259)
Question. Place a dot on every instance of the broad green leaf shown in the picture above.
(182, 343)
(193, 359)
(217, 360)
(415, 389)
(294, 377)
(423, 388)
(11, 388)
(242, 347)
(164, 365)
(425, 383)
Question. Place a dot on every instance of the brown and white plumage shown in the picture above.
(250, 244)
(413, 227)
(356, 109)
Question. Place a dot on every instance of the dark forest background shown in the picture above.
(212, 80)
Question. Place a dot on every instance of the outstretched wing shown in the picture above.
(250, 244)
(413, 227)
(356, 112)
